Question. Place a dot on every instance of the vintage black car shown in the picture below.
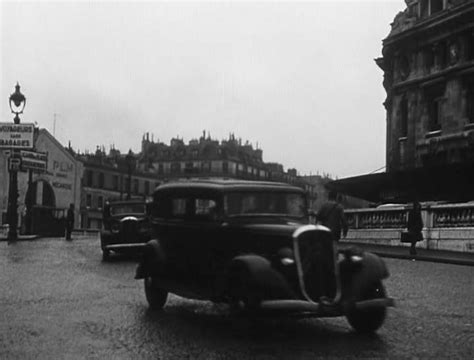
(126, 227)
(249, 244)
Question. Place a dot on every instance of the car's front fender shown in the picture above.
(254, 275)
(153, 260)
(360, 270)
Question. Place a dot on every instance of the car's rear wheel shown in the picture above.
(155, 295)
(369, 320)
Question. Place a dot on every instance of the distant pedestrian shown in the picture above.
(414, 226)
(69, 221)
(331, 215)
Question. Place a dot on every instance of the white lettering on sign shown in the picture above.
(62, 185)
(62, 166)
(18, 136)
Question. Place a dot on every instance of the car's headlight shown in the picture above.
(287, 261)
(143, 227)
(286, 256)
(115, 228)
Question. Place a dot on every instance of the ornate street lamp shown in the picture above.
(17, 105)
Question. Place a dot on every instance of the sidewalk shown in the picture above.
(402, 252)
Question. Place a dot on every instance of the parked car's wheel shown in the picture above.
(155, 296)
(105, 255)
(366, 321)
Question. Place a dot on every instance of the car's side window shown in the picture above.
(178, 207)
(205, 208)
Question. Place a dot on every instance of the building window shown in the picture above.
(428, 58)
(470, 101)
(115, 182)
(404, 67)
(147, 187)
(404, 118)
(89, 178)
(100, 202)
(135, 186)
(470, 46)
(175, 168)
(430, 7)
(160, 169)
(225, 167)
(88, 200)
(435, 97)
(436, 6)
(206, 166)
(441, 54)
(190, 169)
(101, 180)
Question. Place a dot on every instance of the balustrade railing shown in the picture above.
(453, 216)
(377, 218)
(434, 216)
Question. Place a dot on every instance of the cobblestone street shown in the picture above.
(59, 300)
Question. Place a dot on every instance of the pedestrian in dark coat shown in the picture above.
(415, 226)
(331, 215)
(69, 221)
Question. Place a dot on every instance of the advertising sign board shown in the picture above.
(33, 160)
(16, 136)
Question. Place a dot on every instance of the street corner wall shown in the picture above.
(63, 173)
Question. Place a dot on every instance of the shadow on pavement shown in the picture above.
(214, 323)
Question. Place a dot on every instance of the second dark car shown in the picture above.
(126, 227)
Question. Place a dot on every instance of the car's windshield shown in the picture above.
(265, 203)
(120, 209)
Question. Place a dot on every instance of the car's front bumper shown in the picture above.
(307, 308)
(121, 246)
(116, 241)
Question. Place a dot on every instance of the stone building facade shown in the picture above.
(428, 64)
(110, 176)
(209, 158)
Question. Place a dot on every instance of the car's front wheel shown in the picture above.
(155, 295)
(105, 255)
(369, 320)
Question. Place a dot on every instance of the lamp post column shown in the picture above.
(17, 103)
(13, 205)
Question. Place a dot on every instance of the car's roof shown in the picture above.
(228, 185)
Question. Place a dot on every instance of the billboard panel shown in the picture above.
(16, 136)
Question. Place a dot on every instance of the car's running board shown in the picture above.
(289, 305)
(374, 303)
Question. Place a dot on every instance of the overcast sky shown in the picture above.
(298, 79)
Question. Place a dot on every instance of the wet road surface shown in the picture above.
(58, 300)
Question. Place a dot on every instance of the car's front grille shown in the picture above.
(129, 231)
(316, 250)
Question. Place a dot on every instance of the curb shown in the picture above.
(402, 253)
(443, 260)
(22, 238)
